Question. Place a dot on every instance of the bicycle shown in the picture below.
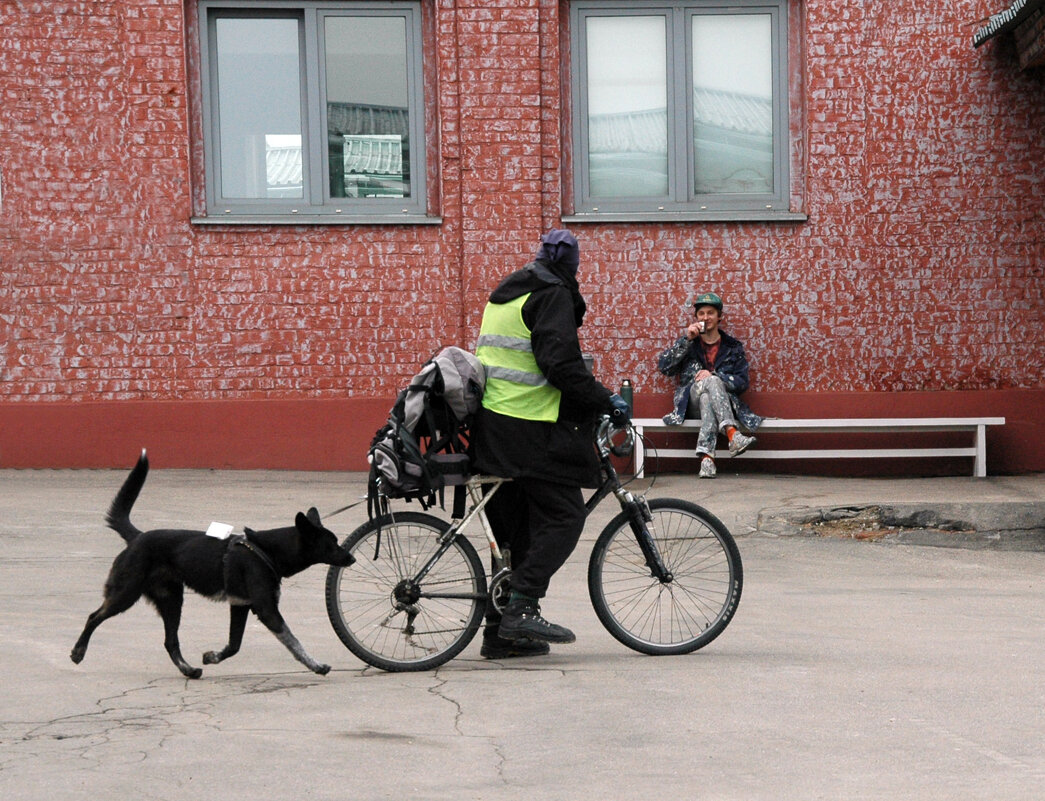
(664, 576)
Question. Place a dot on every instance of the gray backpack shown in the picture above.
(424, 445)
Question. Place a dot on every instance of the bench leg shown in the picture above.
(980, 462)
(640, 453)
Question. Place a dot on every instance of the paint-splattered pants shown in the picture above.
(716, 412)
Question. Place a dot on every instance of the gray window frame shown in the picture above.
(682, 202)
(317, 205)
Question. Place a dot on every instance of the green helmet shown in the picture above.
(708, 299)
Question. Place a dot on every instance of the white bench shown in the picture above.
(899, 425)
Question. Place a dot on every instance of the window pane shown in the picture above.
(627, 106)
(259, 107)
(367, 107)
(733, 103)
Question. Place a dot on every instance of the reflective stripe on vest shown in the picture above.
(515, 386)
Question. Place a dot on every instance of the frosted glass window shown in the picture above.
(732, 103)
(259, 96)
(627, 103)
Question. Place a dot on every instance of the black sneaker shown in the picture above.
(495, 647)
(522, 619)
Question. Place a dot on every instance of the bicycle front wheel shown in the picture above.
(390, 617)
(676, 616)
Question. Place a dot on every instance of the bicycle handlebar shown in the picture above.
(604, 438)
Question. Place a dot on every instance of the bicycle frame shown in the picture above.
(482, 488)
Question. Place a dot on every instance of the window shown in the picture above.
(312, 110)
(680, 107)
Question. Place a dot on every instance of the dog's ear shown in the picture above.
(304, 524)
(313, 516)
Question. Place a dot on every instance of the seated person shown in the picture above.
(712, 372)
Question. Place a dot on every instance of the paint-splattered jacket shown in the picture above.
(685, 359)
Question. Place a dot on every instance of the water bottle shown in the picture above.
(627, 393)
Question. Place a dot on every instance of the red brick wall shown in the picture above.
(916, 279)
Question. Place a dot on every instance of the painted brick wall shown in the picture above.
(919, 269)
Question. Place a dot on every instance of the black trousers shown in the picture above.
(540, 522)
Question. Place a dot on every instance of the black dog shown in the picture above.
(245, 571)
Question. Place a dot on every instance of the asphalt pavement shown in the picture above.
(889, 644)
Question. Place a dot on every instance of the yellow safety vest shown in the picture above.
(515, 385)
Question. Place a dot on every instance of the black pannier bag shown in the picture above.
(424, 445)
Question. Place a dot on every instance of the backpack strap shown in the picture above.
(459, 503)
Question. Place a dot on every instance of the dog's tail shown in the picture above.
(119, 515)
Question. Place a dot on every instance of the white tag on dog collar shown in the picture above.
(220, 530)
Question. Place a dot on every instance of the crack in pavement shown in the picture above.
(437, 690)
(495, 744)
(128, 727)
(439, 687)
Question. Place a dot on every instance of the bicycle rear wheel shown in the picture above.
(674, 617)
(385, 615)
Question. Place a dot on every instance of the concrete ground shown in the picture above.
(854, 669)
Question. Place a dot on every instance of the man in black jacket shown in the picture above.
(536, 427)
(712, 373)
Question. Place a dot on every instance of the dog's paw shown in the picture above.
(194, 673)
(77, 655)
(211, 658)
(322, 670)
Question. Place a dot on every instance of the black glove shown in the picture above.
(621, 414)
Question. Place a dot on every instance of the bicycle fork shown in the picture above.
(638, 517)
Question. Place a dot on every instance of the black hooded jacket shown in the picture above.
(562, 452)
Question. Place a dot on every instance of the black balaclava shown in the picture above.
(560, 251)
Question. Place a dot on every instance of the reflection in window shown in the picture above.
(627, 107)
(681, 106)
(368, 119)
(283, 166)
(259, 96)
(732, 103)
